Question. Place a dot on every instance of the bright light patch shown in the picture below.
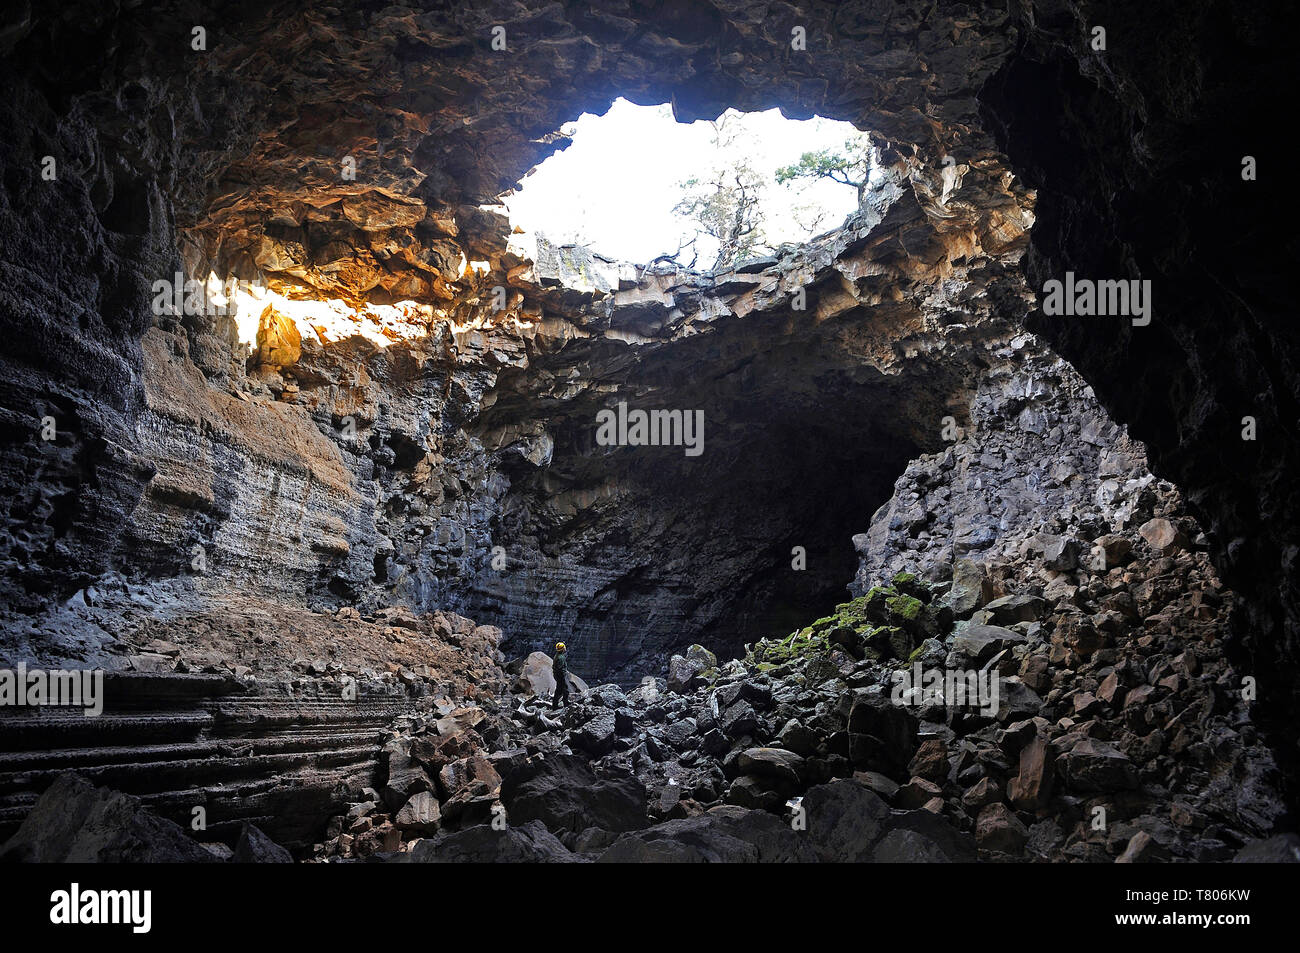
(330, 320)
(616, 185)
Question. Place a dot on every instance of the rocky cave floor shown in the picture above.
(1122, 733)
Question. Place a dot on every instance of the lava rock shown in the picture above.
(76, 822)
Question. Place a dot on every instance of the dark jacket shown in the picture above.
(561, 665)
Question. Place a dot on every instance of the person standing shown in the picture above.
(560, 669)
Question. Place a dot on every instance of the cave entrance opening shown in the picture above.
(639, 187)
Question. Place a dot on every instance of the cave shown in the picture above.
(322, 525)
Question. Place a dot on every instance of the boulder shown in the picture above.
(419, 815)
(1094, 766)
(1017, 608)
(970, 590)
(1016, 700)
(254, 847)
(998, 829)
(882, 735)
(1061, 553)
(1142, 848)
(684, 671)
(596, 735)
(528, 843)
(726, 834)
(776, 764)
(798, 738)
(844, 820)
(922, 837)
(979, 643)
(76, 822)
(1163, 536)
(564, 793)
(476, 771)
(535, 676)
(1032, 787)
(460, 719)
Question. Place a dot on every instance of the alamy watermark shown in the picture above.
(1084, 297)
(651, 428)
(953, 688)
(76, 688)
(75, 906)
(177, 296)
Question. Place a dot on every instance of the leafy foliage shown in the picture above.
(848, 166)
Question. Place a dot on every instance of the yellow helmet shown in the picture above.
(559, 646)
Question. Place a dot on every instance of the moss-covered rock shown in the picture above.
(907, 608)
(909, 584)
(888, 622)
(801, 644)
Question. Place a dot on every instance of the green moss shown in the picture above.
(906, 607)
(803, 643)
(879, 617)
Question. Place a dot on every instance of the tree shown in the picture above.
(848, 166)
(724, 204)
(725, 207)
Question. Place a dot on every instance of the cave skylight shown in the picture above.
(636, 185)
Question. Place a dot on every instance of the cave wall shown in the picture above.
(230, 158)
(1137, 156)
(1038, 459)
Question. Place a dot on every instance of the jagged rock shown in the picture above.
(797, 738)
(723, 835)
(882, 736)
(1279, 849)
(1162, 536)
(998, 829)
(1143, 849)
(1092, 765)
(1031, 788)
(774, 763)
(930, 761)
(528, 843)
(475, 771)
(75, 822)
(970, 588)
(254, 847)
(985, 791)
(419, 815)
(739, 720)
(564, 793)
(979, 643)
(596, 735)
(917, 793)
(1113, 549)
